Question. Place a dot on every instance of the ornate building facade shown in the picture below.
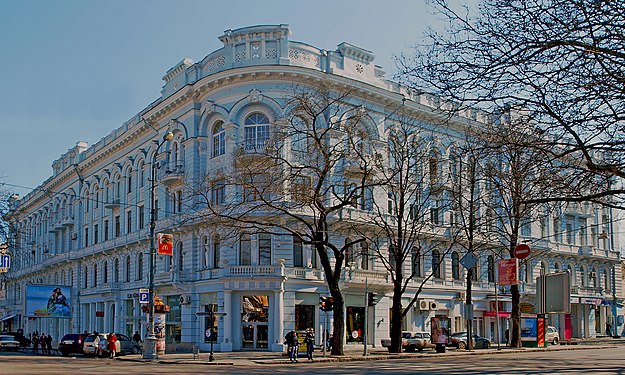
(86, 228)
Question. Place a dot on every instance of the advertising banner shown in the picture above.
(508, 271)
(159, 332)
(165, 244)
(440, 330)
(51, 301)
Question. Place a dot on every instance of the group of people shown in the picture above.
(42, 341)
(292, 342)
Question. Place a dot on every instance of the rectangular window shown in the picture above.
(128, 221)
(245, 250)
(141, 217)
(106, 230)
(366, 199)
(570, 237)
(298, 256)
(117, 226)
(95, 234)
(86, 237)
(129, 184)
(264, 249)
(218, 192)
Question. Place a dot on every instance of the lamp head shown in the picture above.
(168, 136)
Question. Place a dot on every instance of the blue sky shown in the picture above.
(76, 70)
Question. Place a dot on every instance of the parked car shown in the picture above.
(459, 340)
(412, 341)
(72, 343)
(124, 345)
(90, 348)
(8, 342)
(553, 336)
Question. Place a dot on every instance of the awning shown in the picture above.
(7, 317)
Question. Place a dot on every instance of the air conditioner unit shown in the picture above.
(185, 299)
(433, 305)
(73, 236)
(424, 305)
(462, 296)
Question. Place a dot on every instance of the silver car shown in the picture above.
(8, 342)
(124, 345)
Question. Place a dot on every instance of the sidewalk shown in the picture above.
(355, 353)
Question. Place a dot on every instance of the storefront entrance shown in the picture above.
(255, 322)
(254, 335)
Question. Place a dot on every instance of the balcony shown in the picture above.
(253, 271)
(112, 205)
(172, 175)
(360, 276)
(107, 288)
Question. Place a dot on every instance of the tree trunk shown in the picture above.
(515, 332)
(338, 328)
(396, 319)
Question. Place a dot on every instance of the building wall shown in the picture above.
(108, 185)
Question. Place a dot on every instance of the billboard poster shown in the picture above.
(529, 329)
(440, 330)
(48, 301)
(165, 244)
(508, 271)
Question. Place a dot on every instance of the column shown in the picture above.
(278, 321)
(226, 344)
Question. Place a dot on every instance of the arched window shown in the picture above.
(298, 254)
(129, 181)
(219, 139)
(256, 131)
(475, 273)
(556, 267)
(582, 276)
(605, 279)
(455, 265)
(216, 251)
(364, 255)
(416, 262)
(299, 136)
(491, 269)
(105, 274)
(592, 278)
(95, 275)
(141, 174)
(571, 272)
(436, 264)
(116, 270)
(349, 253)
(245, 249)
(264, 249)
(434, 167)
(544, 267)
(139, 266)
(127, 268)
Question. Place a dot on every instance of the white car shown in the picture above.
(8, 342)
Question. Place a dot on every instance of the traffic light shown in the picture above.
(326, 303)
(372, 299)
(323, 303)
(330, 304)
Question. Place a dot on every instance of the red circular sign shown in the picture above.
(521, 251)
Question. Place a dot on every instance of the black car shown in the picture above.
(72, 343)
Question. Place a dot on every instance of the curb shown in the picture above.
(374, 357)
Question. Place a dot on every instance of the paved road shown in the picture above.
(589, 361)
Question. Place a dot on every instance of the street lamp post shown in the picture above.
(149, 351)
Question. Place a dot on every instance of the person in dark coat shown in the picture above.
(309, 340)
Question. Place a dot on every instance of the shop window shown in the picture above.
(304, 317)
(355, 323)
(211, 324)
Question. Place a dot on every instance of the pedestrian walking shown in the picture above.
(42, 343)
(309, 340)
(96, 345)
(36, 342)
(49, 344)
(292, 343)
(136, 337)
(112, 339)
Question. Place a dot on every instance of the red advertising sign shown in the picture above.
(508, 271)
(522, 251)
(165, 244)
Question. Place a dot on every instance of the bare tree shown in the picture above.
(407, 227)
(560, 60)
(317, 163)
